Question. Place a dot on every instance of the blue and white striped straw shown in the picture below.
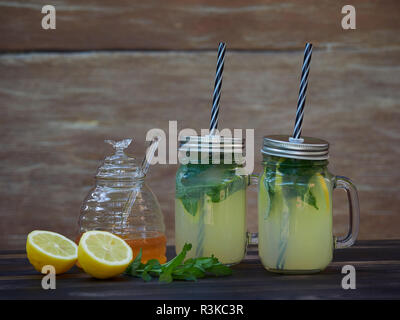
(302, 92)
(217, 87)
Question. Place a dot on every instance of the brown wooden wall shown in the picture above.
(115, 69)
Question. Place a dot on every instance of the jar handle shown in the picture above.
(354, 212)
(252, 237)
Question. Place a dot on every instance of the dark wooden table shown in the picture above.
(377, 266)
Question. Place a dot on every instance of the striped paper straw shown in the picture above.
(217, 87)
(302, 92)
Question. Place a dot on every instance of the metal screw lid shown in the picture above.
(306, 148)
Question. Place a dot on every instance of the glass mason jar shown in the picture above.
(295, 206)
(210, 201)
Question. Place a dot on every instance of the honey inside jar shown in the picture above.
(152, 248)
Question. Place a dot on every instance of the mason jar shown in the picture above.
(210, 201)
(295, 206)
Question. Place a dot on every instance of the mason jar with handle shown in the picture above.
(295, 206)
(210, 201)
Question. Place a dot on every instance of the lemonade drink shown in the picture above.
(295, 205)
(210, 211)
(295, 215)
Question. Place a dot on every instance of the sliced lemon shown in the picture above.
(264, 200)
(322, 191)
(103, 255)
(50, 248)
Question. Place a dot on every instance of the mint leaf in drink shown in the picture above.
(178, 268)
(190, 204)
(217, 181)
(310, 199)
(296, 175)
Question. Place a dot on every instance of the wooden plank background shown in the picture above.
(196, 25)
(115, 69)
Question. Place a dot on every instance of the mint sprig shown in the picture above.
(177, 268)
(196, 181)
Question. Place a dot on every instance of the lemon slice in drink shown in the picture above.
(103, 255)
(264, 200)
(321, 191)
(50, 248)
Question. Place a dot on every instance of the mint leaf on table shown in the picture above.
(135, 264)
(177, 268)
(150, 265)
(220, 270)
(166, 275)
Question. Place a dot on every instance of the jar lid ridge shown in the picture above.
(309, 149)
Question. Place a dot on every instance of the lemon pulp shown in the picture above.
(103, 255)
(50, 248)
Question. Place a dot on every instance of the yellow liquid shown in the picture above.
(217, 228)
(295, 237)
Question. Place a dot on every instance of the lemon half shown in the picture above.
(103, 254)
(50, 248)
